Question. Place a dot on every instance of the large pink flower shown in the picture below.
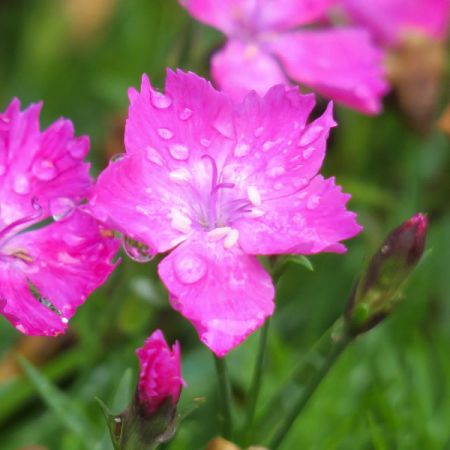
(46, 270)
(265, 48)
(218, 183)
(160, 373)
(391, 20)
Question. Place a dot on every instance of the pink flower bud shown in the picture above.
(377, 292)
(160, 373)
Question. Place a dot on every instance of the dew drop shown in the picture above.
(136, 250)
(165, 133)
(224, 124)
(179, 152)
(154, 156)
(308, 152)
(186, 114)
(270, 144)
(117, 157)
(189, 268)
(21, 185)
(61, 208)
(79, 148)
(299, 182)
(241, 149)
(275, 171)
(310, 135)
(44, 169)
(205, 142)
(259, 131)
(160, 100)
(64, 320)
(313, 202)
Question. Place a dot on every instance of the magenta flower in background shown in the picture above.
(46, 273)
(160, 373)
(217, 183)
(391, 20)
(265, 48)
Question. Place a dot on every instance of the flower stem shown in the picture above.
(324, 355)
(256, 384)
(225, 394)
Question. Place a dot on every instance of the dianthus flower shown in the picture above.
(265, 48)
(160, 373)
(217, 183)
(46, 270)
(390, 21)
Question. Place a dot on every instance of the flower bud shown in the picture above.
(152, 417)
(378, 290)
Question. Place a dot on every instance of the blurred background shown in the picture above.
(390, 390)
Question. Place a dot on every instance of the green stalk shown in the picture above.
(256, 380)
(225, 394)
(310, 374)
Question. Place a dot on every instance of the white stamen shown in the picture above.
(253, 195)
(180, 221)
(218, 233)
(231, 239)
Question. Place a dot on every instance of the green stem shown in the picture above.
(325, 354)
(256, 380)
(225, 394)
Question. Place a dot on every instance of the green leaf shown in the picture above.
(64, 409)
(301, 260)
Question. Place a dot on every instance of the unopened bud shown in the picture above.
(152, 416)
(378, 290)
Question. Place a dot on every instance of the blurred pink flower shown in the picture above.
(160, 372)
(46, 272)
(265, 48)
(391, 20)
(217, 183)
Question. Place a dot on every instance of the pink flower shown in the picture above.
(160, 372)
(391, 20)
(46, 272)
(265, 48)
(218, 183)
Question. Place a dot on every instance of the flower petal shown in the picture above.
(341, 64)
(239, 68)
(234, 17)
(186, 121)
(389, 20)
(51, 271)
(137, 196)
(45, 166)
(312, 220)
(225, 293)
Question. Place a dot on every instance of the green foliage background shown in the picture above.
(390, 390)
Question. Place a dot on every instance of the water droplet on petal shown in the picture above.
(185, 114)
(44, 169)
(189, 268)
(117, 157)
(154, 156)
(308, 152)
(79, 148)
(205, 142)
(275, 171)
(61, 208)
(160, 100)
(21, 185)
(136, 250)
(313, 202)
(300, 182)
(241, 149)
(310, 135)
(64, 320)
(165, 133)
(259, 131)
(224, 124)
(179, 152)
